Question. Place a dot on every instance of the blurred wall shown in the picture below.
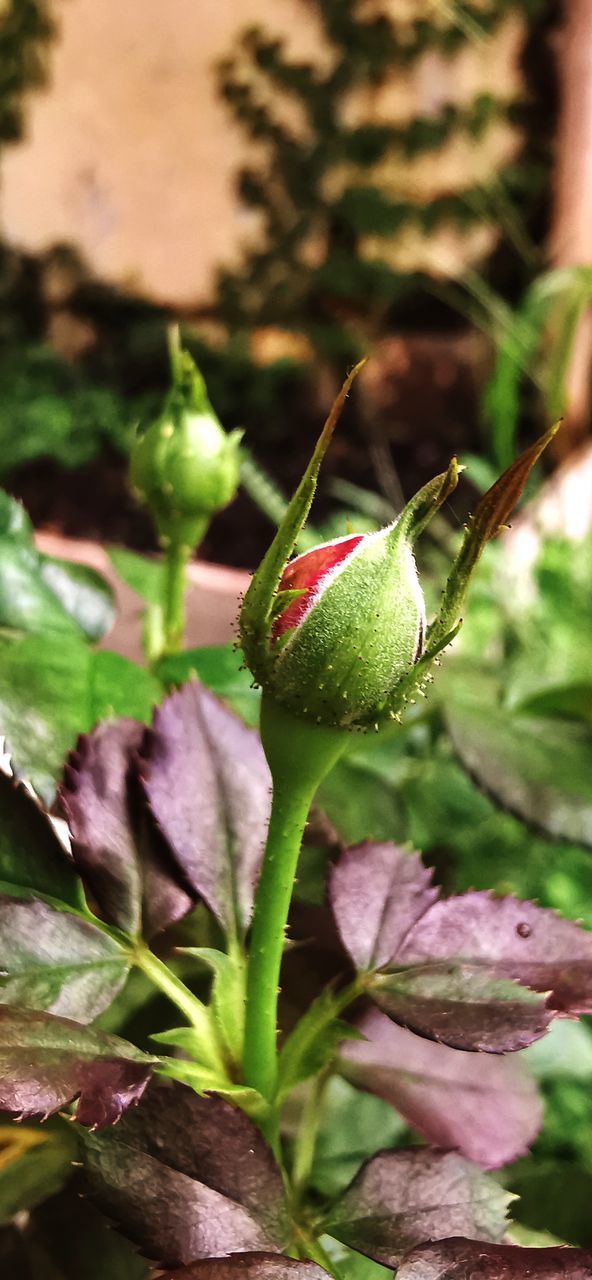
(129, 155)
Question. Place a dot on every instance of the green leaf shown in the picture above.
(144, 575)
(54, 688)
(361, 794)
(222, 670)
(86, 597)
(354, 1125)
(554, 1196)
(564, 1053)
(31, 856)
(118, 687)
(40, 594)
(27, 603)
(539, 769)
(14, 521)
(200, 1044)
(570, 701)
(34, 1164)
(56, 962)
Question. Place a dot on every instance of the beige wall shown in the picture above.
(130, 156)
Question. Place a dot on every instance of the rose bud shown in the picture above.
(337, 636)
(185, 466)
(357, 625)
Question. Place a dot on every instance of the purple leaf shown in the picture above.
(45, 1062)
(395, 889)
(487, 1109)
(123, 861)
(208, 786)
(400, 1199)
(54, 961)
(513, 940)
(462, 1005)
(248, 1266)
(188, 1177)
(460, 970)
(464, 1260)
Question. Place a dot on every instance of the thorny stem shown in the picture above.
(288, 818)
(299, 756)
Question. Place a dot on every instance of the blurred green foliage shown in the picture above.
(50, 409)
(533, 345)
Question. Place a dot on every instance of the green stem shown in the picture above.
(175, 350)
(306, 1138)
(314, 1250)
(299, 755)
(171, 986)
(175, 566)
(288, 818)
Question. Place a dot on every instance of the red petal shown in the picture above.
(305, 574)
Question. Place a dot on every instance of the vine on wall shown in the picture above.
(393, 157)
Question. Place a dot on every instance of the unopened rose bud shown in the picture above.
(185, 466)
(349, 621)
(337, 636)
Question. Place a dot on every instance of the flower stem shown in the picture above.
(288, 818)
(175, 567)
(299, 755)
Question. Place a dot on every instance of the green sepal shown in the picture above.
(283, 599)
(487, 520)
(256, 615)
(424, 504)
